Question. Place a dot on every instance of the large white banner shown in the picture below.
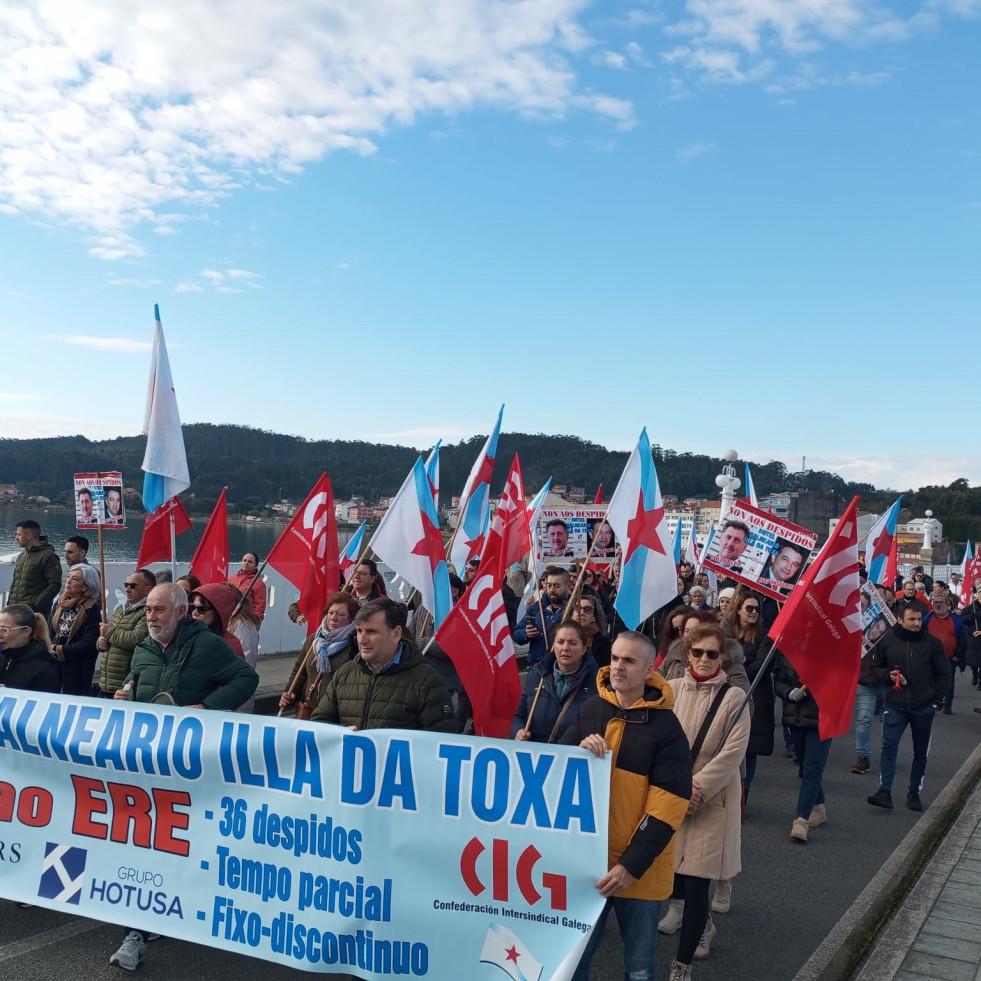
(374, 854)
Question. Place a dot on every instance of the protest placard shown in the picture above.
(567, 534)
(877, 618)
(756, 548)
(367, 853)
(99, 500)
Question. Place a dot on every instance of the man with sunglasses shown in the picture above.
(118, 638)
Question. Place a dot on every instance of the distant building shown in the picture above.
(360, 512)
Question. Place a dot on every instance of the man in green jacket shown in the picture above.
(181, 658)
(119, 637)
(37, 572)
(388, 685)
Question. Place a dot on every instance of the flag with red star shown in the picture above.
(474, 521)
(504, 949)
(878, 545)
(648, 578)
(819, 629)
(409, 541)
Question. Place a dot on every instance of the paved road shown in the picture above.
(784, 904)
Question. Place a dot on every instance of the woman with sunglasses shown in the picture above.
(707, 845)
(745, 623)
(213, 604)
(587, 611)
(26, 661)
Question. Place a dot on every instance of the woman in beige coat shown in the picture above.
(707, 845)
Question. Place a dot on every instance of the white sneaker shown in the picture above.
(130, 952)
(680, 972)
(722, 898)
(671, 921)
(705, 944)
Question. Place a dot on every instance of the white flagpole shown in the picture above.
(173, 547)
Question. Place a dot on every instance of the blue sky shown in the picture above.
(379, 220)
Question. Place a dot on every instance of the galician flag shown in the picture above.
(648, 578)
(969, 570)
(504, 949)
(750, 489)
(408, 540)
(468, 543)
(676, 543)
(165, 462)
(878, 545)
(352, 550)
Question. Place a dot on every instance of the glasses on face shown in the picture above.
(587, 609)
(201, 608)
(751, 609)
(130, 585)
(697, 652)
(6, 630)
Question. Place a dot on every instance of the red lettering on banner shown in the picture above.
(149, 820)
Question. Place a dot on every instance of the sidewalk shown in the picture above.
(920, 917)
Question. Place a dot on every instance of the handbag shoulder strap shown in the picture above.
(696, 746)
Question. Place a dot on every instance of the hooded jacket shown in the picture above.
(549, 705)
(650, 780)
(30, 668)
(37, 578)
(921, 659)
(201, 669)
(222, 596)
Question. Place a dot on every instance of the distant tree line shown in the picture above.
(259, 467)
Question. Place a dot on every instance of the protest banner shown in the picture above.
(877, 618)
(99, 500)
(568, 534)
(760, 550)
(367, 853)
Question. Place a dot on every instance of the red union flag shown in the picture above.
(476, 633)
(819, 630)
(155, 543)
(306, 553)
(210, 561)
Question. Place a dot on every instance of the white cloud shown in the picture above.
(117, 116)
(872, 78)
(697, 149)
(733, 40)
(37, 425)
(898, 471)
(118, 345)
(188, 288)
(139, 283)
(16, 397)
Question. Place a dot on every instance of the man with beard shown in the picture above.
(181, 662)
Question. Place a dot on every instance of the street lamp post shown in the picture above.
(728, 483)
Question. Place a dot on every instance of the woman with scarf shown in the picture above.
(244, 624)
(555, 687)
(708, 843)
(334, 643)
(75, 629)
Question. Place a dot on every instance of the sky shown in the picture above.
(747, 224)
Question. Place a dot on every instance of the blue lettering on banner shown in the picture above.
(299, 774)
(359, 773)
(486, 786)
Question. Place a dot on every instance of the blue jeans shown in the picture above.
(637, 920)
(812, 754)
(894, 723)
(869, 699)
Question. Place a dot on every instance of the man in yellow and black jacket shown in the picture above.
(650, 786)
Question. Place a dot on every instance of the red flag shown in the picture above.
(306, 553)
(892, 565)
(476, 634)
(210, 561)
(155, 543)
(819, 629)
(598, 499)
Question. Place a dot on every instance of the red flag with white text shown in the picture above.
(155, 543)
(476, 633)
(307, 554)
(210, 561)
(819, 629)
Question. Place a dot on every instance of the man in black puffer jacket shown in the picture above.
(914, 667)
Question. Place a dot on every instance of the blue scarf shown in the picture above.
(329, 642)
